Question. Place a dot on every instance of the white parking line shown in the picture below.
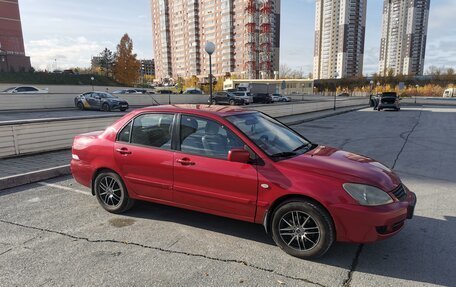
(64, 187)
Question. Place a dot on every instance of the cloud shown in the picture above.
(62, 52)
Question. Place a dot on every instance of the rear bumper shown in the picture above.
(81, 172)
(363, 224)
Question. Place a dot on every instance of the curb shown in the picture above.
(317, 117)
(33, 176)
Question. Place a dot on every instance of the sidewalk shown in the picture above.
(22, 170)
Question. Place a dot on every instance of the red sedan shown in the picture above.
(245, 165)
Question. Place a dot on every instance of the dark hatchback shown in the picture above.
(100, 101)
(226, 98)
(388, 100)
(262, 98)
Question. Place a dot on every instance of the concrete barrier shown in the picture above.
(10, 102)
(35, 136)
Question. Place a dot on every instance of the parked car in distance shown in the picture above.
(388, 100)
(282, 98)
(226, 98)
(25, 90)
(275, 97)
(449, 93)
(344, 95)
(244, 165)
(193, 91)
(126, 91)
(100, 101)
(262, 98)
(246, 96)
(163, 92)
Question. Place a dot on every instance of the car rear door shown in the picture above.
(144, 156)
(204, 179)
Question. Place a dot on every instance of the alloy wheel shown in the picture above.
(299, 230)
(110, 191)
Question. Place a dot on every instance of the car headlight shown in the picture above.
(367, 195)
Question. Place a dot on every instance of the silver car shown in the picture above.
(24, 90)
(246, 96)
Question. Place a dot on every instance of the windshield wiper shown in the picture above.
(284, 154)
(307, 145)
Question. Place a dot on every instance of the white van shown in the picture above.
(449, 93)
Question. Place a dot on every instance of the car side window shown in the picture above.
(206, 137)
(124, 135)
(21, 90)
(153, 130)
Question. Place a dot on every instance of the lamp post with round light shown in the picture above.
(210, 48)
(91, 80)
(336, 75)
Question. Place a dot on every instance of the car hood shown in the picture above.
(346, 166)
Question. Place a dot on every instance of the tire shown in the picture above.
(106, 108)
(80, 106)
(214, 102)
(312, 223)
(232, 103)
(123, 109)
(111, 193)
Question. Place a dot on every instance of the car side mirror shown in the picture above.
(238, 155)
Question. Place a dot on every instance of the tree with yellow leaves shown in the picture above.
(126, 66)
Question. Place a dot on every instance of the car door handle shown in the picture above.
(123, 151)
(185, 161)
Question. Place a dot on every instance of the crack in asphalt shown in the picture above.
(407, 138)
(347, 281)
(4, 252)
(242, 262)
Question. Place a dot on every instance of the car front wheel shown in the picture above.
(106, 108)
(302, 229)
(80, 106)
(111, 193)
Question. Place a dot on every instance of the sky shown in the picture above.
(61, 34)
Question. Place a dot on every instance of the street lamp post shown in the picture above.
(91, 80)
(416, 92)
(335, 89)
(210, 48)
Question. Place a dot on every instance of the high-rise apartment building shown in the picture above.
(404, 32)
(339, 38)
(12, 51)
(246, 34)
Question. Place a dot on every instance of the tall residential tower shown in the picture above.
(339, 38)
(404, 32)
(12, 52)
(246, 34)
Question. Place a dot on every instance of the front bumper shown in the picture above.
(364, 224)
(119, 105)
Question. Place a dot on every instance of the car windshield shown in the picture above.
(275, 139)
(8, 90)
(389, 95)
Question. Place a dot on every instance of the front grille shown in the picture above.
(400, 193)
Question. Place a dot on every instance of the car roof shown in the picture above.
(197, 109)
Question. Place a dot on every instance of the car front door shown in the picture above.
(204, 179)
(143, 154)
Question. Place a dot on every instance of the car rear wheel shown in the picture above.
(214, 102)
(231, 102)
(80, 106)
(106, 108)
(111, 193)
(302, 229)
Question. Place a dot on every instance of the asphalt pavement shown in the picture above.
(55, 234)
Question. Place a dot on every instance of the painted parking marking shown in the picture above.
(43, 183)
